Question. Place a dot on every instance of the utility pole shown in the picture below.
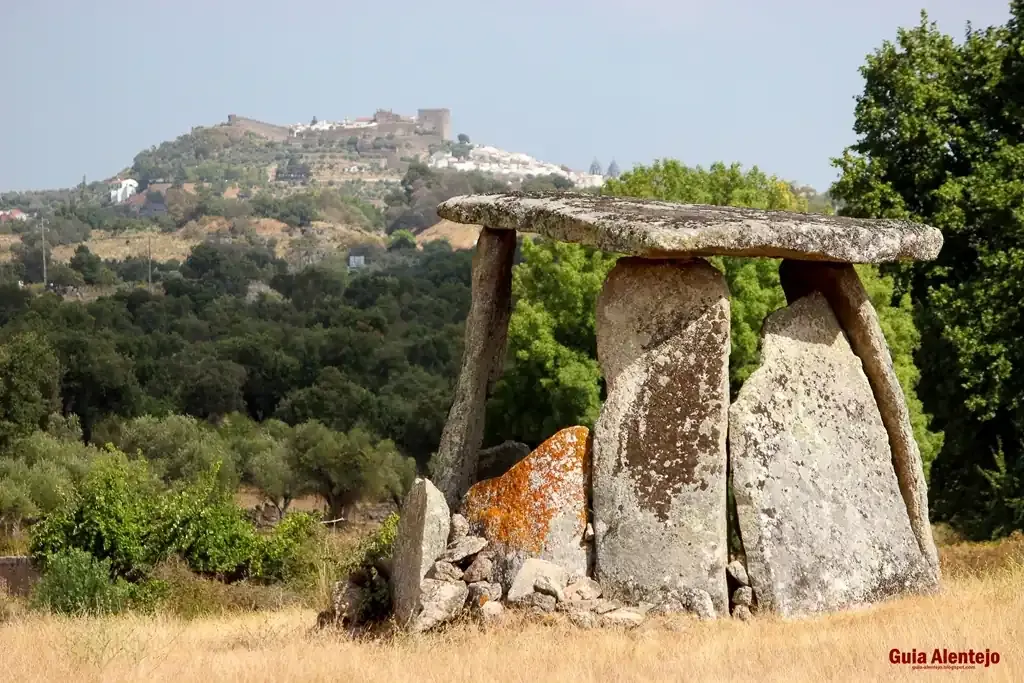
(149, 256)
(43, 226)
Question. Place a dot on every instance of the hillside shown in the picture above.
(458, 235)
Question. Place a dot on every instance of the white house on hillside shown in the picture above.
(122, 190)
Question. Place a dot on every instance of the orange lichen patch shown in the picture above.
(517, 509)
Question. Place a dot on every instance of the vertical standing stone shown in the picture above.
(659, 473)
(842, 288)
(455, 464)
(422, 536)
(820, 513)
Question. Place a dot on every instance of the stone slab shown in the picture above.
(656, 229)
(841, 286)
(454, 467)
(421, 538)
(822, 521)
(659, 477)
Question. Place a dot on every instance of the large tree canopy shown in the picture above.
(940, 128)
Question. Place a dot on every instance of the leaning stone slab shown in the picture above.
(841, 286)
(820, 513)
(538, 508)
(659, 478)
(421, 537)
(455, 464)
(656, 229)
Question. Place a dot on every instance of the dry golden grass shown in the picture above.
(974, 613)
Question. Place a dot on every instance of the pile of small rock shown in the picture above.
(742, 594)
(461, 580)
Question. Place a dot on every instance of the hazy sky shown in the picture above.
(89, 83)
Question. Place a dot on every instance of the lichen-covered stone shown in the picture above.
(482, 591)
(659, 475)
(624, 617)
(657, 229)
(540, 602)
(841, 286)
(421, 537)
(455, 464)
(538, 508)
(546, 585)
(820, 512)
(582, 619)
(492, 611)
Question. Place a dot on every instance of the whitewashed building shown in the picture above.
(121, 190)
(513, 164)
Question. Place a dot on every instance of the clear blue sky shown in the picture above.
(88, 84)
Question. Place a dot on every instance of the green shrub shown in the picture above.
(120, 515)
(368, 560)
(207, 529)
(76, 583)
(282, 556)
(110, 518)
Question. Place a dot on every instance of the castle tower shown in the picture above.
(436, 120)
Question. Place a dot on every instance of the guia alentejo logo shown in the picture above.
(943, 658)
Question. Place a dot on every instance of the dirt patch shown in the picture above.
(460, 236)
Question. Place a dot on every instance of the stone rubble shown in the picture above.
(583, 588)
(532, 571)
(444, 571)
(738, 572)
(743, 596)
(439, 602)
(465, 550)
(481, 569)
(460, 529)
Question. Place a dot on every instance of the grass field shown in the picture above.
(981, 606)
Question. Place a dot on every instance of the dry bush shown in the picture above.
(188, 595)
(963, 560)
(11, 607)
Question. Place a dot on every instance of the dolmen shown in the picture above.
(830, 499)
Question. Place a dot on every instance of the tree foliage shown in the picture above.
(29, 384)
(939, 141)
